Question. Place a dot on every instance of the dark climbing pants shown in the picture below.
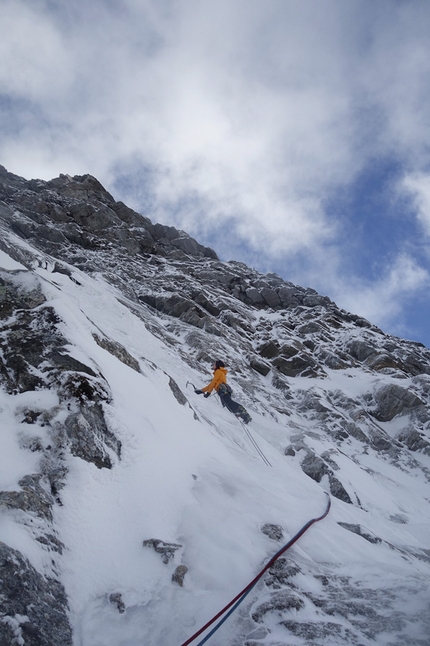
(231, 405)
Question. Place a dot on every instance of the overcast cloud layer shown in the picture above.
(292, 135)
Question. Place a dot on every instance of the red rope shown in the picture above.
(250, 585)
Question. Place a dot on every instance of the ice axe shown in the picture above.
(197, 390)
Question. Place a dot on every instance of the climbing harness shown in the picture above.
(225, 389)
(254, 443)
(234, 603)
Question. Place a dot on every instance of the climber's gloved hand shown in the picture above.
(207, 394)
(199, 392)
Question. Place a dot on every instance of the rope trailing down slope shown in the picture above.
(255, 445)
(234, 603)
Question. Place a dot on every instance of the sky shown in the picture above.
(292, 136)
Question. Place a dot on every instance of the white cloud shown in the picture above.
(247, 115)
(36, 62)
(241, 105)
(383, 300)
(417, 186)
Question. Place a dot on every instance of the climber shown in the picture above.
(219, 383)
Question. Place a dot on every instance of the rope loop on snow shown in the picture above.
(234, 603)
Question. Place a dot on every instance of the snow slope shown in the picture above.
(188, 475)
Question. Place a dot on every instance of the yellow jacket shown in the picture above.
(220, 377)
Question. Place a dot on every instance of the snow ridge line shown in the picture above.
(234, 603)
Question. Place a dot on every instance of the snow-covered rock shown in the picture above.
(132, 510)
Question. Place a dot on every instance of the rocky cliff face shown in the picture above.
(342, 397)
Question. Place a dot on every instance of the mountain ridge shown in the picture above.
(339, 405)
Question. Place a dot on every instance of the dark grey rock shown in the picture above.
(384, 363)
(177, 392)
(89, 436)
(275, 532)
(414, 440)
(355, 431)
(83, 387)
(290, 450)
(80, 211)
(269, 350)
(290, 296)
(321, 630)
(300, 364)
(393, 400)
(32, 498)
(260, 367)
(280, 384)
(288, 351)
(254, 296)
(234, 321)
(313, 299)
(51, 542)
(314, 467)
(63, 360)
(174, 305)
(365, 610)
(312, 402)
(338, 490)
(281, 573)
(414, 365)
(13, 297)
(361, 350)
(332, 360)
(167, 550)
(179, 574)
(357, 529)
(279, 602)
(309, 328)
(26, 343)
(118, 351)
(33, 608)
(326, 456)
(206, 303)
(379, 441)
(398, 518)
(194, 316)
(116, 599)
(271, 297)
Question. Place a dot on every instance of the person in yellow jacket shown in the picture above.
(219, 383)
